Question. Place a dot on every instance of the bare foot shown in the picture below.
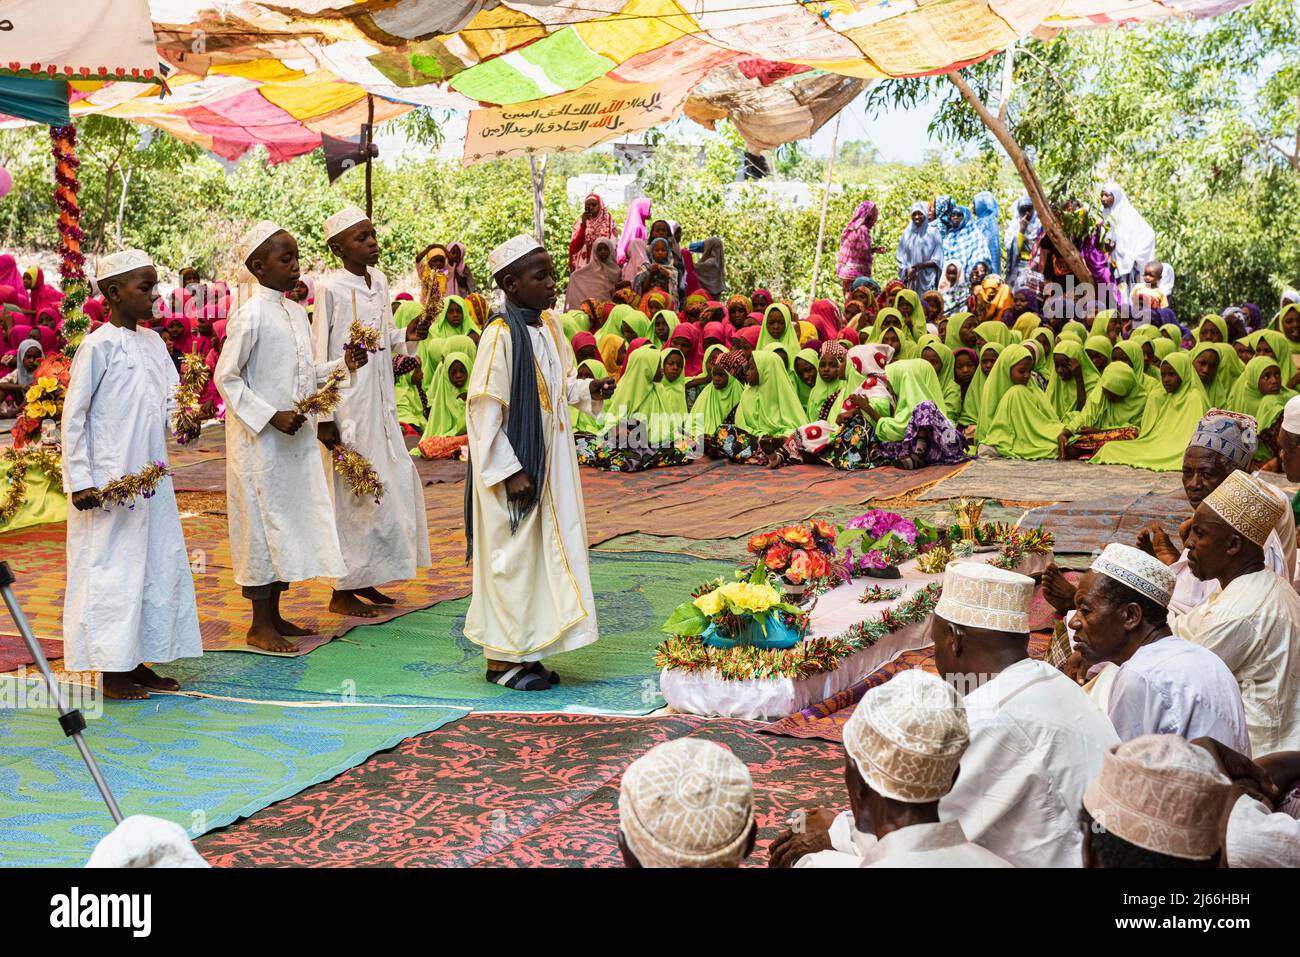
(289, 630)
(146, 677)
(346, 603)
(119, 686)
(268, 639)
(376, 596)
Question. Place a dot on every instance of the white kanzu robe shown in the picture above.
(130, 592)
(281, 520)
(532, 591)
(389, 541)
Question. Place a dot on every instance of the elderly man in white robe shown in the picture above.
(524, 516)
(1035, 737)
(278, 505)
(902, 748)
(1163, 684)
(387, 539)
(130, 593)
(1252, 621)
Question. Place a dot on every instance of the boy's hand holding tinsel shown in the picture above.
(419, 328)
(187, 420)
(325, 399)
(362, 336)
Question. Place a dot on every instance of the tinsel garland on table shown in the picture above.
(72, 265)
(20, 461)
(187, 420)
(875, 593)
(363, 481)
(325, 399)
(817, 656)
(141, 484)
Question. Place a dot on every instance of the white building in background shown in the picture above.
(616, 189)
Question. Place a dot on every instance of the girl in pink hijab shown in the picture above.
(11, 277)
(638, 215)
(823, 314)
(689, 339)
(40, 294)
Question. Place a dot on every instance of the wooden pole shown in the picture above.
(1046, 215)
(370, 139)
(826, 197)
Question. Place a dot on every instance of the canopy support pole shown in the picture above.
(370, 139)
(539, 186)
(826, 197)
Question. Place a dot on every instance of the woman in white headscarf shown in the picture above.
(919, 250)
(597, 279)
(1133, 238)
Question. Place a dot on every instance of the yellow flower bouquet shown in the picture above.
(749, 611)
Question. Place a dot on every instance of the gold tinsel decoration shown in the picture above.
(362, 336)
(363, 481)
(187, 420)
(141, 484)
(325, 399)
(20, 460)
(934, 561)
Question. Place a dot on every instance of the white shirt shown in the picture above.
(929, 845)
(130, 593)
(387, 540)
(1036, 740)
(1258, 837)
(1254, 626)
(278, 504)
(1172, 686)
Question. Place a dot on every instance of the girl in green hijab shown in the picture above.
(972, 410)
(1072, 380)
(779, 327)
(890, 330)
(1117, 401)
(914, 315)
(672, 382)
(804, 374)
(1108, 325)
(1020, 422)
(584, 422)
(447, 396)
(917, 432)
(1218, 367)
(1073, 330)
(717, 400)
(993, 332)
(635, 396)
(830, 380)
(1211, 328)
(769, 406)
(1048, 339)
(961, 331)
(1270, 342)
(1259, 393)
(1168, 421)
(614, 322)
(432, 351)
(635, 432)
(1129, 351)
(1096, 353)
(409, 385)
(665, 321)
(575, 321)
(455, 319)
(943, 362)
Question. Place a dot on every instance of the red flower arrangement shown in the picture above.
(798, 553)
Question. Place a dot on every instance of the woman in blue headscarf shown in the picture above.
(920, 250)
(963, 242)
(1020, 239)
(986, 219)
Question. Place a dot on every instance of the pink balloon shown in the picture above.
(6, 181)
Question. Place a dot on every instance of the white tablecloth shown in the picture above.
(769, 699)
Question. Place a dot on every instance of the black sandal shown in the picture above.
(518, 678)
(542, 671)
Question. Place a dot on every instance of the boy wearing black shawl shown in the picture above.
(524, 517)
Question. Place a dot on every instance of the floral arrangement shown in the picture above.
(141, 484)
(362, 479)
(325, 399)
(885, 540)
(44, 399)
(187, 420)
(805, 659)
(20, 461)
(875, 593)
(798, 554)
(751, 610)
(362, 336)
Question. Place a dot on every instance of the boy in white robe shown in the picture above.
(130, 593)
(281, 522)
(386, 540)
(524, 515)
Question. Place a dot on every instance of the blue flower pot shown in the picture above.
(778, 634)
